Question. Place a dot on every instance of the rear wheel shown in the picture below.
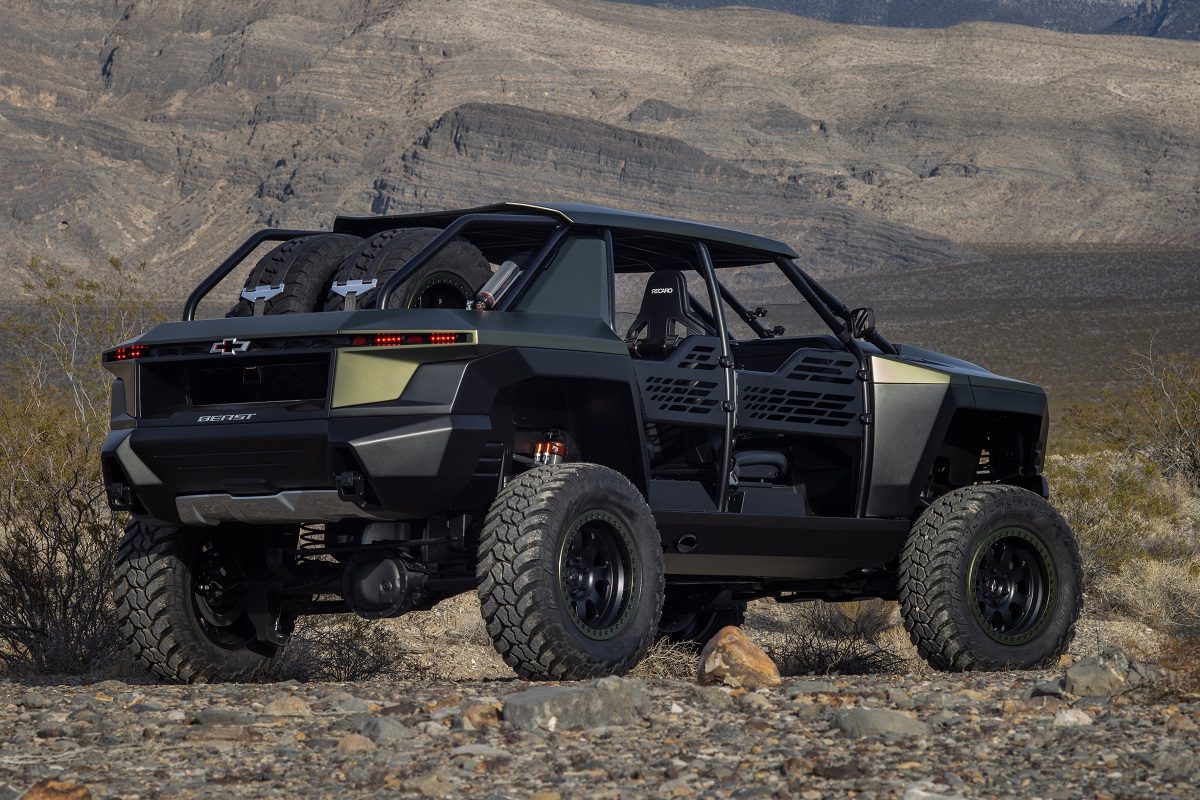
(304, 267)
(990, 579)
(571, 573)
(184, 605)
(449, 280)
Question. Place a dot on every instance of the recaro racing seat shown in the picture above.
(665, 317)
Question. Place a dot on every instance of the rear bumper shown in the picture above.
(277, 472)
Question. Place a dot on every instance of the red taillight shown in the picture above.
(127, 353)
(394, 339)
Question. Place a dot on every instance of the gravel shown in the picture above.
(963, 736)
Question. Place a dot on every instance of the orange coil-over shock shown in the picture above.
(550, 450)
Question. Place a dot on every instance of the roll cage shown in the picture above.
(632, 243)
(643, 248)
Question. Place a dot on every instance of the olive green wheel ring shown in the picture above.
(597, 574)
(1014, 585)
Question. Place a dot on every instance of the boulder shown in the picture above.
(732, 659)
(859, 722)
(54, 789)
(355, 743)
(608, 701)
(1071, 718)
(386, 730)
(1110, 673)
(222, 716)
(477, 716)
(288, 705)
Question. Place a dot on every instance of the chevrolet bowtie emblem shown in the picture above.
(229, 347)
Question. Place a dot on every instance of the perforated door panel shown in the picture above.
(685, 387)
(814, 392)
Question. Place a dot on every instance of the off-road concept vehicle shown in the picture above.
(410, 407)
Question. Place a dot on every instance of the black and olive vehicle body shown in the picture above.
(569, 410)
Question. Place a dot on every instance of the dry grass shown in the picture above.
(1133, 498)
(1162, 595)
(1182, 660)
(1139, 533)
(669, 660)
(1123, 508)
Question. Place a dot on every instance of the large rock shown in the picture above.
(859, 722)
(1072, 718)
(288, 705)
(1111, 673)
(386, 730)
(732, 659)
(608, 701)
(53, 789)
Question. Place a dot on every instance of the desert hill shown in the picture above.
(165, 131)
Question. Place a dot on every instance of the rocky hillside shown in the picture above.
(1174, 19)
(165, 131)
(1177, 19)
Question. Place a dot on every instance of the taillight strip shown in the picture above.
(403, 338)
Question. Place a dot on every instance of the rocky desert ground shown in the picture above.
(1018, 196)
(1100, 728)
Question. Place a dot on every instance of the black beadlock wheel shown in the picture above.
(685, 619)
(304, 267)
(991, 579)
(181, 606)
(570, 573)
(449, 280)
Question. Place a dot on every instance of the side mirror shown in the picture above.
(862, 322)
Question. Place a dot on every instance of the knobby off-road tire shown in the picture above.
(158, 617)
(681, 623)
(990, 579)
(305, 266)
(547, 537)
(450, 280)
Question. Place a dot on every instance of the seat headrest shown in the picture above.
(667, 290)
(666, 306)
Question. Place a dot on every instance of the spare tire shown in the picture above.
(449, 280)
(305, 266)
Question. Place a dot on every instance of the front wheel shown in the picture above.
(991, 579)
(184, 605)
(571, 573)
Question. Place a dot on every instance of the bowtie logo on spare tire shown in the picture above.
(229, 347)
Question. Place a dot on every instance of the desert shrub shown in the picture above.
(343, 648)
(57, 536)
(1123, 508)
(848, 639)
(1159, 419)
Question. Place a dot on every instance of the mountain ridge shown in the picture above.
(167, 131)
(1175, 19)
